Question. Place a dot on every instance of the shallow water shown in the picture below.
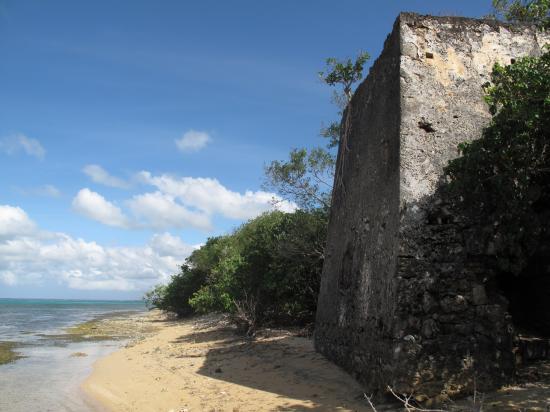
(48, 378)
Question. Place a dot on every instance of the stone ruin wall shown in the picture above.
(404, 297)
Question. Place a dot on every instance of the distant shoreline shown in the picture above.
(80, 301)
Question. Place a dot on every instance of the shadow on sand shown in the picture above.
(279, 363)
(287, 366)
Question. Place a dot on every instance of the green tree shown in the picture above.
(524, 11)
(174, 297)
(307, 176)
(344, 73)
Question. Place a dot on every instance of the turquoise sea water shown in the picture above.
(48, 378)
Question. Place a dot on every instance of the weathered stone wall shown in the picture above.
(404, 297)
(357, 300)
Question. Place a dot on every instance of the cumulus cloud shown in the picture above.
(19, 142)
(101, 176)
(192, 141)
(164, 244)
(210, 196)
(178, 203)
(96, 207)
(14, 221)
(160, 211)
(31, 256)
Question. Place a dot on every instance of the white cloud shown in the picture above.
(30, 256)
(210, 196)
(179, 203)
(14, 220)
(160, 211)
(192, 141)
(96, 207)
(19, 142)
(101, 176)
(165, 244)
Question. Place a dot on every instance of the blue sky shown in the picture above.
(131, 131)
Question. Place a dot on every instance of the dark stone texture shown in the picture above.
(355, 311)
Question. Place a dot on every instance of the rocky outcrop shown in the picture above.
(406, 297)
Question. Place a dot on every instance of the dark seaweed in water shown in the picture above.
(8, 352)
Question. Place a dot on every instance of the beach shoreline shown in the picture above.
(49, 345)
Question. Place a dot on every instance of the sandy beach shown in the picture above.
(200, 364)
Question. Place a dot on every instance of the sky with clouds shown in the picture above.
(132, 131)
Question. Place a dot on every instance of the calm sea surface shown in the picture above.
(48, 378)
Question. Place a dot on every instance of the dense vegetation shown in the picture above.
(267, 271)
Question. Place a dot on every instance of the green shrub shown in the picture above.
(269, 269)
(174, 297)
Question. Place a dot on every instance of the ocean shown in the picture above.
(48, 378)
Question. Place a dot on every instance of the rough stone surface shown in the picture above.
(405, 296)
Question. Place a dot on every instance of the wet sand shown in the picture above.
(53, 362)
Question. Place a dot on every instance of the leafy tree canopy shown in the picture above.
(344, 73)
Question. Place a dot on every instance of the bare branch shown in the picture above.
(406, 403)
(369, 400)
